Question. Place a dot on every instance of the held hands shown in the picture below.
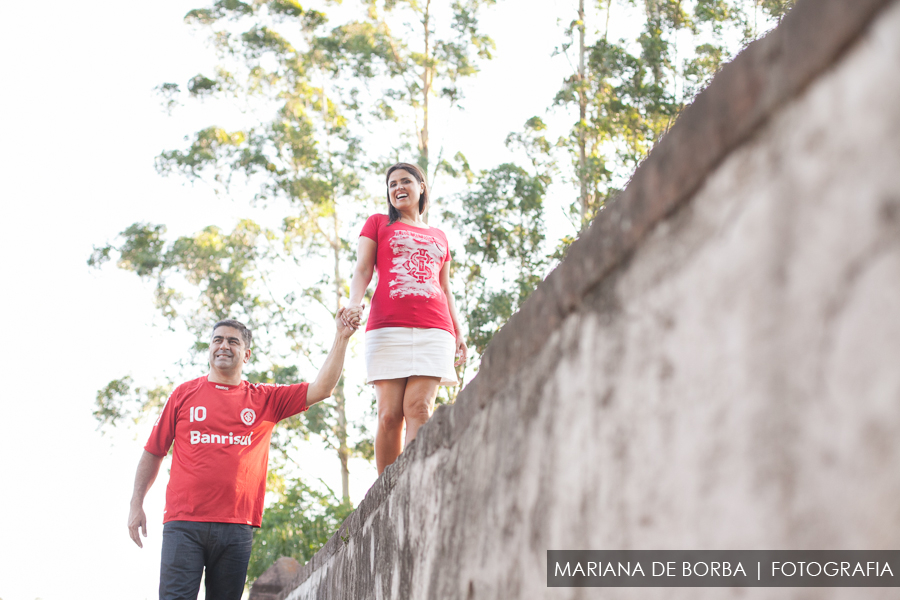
(345, 324)
(352, 315)
(350, 318)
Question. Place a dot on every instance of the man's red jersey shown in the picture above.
(221, 435)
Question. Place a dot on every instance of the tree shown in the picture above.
(227, 274)
(297, 524)
(501, 221)
(626, 95)
(629, 92)
(305, 155)
(431, 62)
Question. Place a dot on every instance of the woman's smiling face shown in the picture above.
(404, 191)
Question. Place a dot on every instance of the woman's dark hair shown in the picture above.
(393, 213)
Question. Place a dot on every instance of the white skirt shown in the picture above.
(398, 352)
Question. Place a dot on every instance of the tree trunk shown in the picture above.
(340, 400)
(427, 79)
(582, 120)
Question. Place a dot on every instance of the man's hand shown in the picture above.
(137, 520)
(346, 324)
(148, 468)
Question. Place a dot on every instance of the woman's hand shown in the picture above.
(462, 351)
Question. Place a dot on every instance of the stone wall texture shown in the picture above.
(716, 364)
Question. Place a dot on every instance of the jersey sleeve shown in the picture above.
(288, 400)
(370, 229)
(163, 433)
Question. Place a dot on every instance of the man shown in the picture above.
(221, 427)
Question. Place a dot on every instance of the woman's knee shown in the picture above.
(389, 395)
(418, 408)
(418, 414)
(390, 420)
(418, 399)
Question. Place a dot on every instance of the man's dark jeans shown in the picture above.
(188, 547)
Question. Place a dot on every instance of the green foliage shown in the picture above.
(699, 70)
(501, 221)
(628, 93)
(777, 8)
(432, 61)
(302, 153)
(297, 524)
(120, 400)
(627, 104)
(221, 267)
(141, 250)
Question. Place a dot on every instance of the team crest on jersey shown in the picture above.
(248, 416)
(416, 265)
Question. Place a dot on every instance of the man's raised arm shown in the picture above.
(147, 470)
(331, 370)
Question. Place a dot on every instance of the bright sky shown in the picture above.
(81, 128)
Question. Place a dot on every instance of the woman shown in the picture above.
(413, 331)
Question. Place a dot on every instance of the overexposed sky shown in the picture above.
(81, 127)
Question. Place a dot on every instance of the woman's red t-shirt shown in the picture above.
(408, 261)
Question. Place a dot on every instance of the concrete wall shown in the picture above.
(716, 365)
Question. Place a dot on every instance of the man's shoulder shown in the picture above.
(270, 391)
(268, 388)
(189, 386)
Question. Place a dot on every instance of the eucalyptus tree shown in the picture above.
(314, 91)
(628, 92)
(501, 223)
(301, 158)
(219, 269)
(276, 60)
(432, 46)
(201, 279)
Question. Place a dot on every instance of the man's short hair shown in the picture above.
(245, 332)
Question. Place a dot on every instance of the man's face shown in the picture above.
(227, 351)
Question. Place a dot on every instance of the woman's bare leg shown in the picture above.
(418, 403)
(389, 434)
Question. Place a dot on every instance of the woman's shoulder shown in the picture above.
(377, 218)
(438, 231)
(373, 224)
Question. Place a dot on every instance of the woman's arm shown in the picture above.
(461, 349)
(362, 276)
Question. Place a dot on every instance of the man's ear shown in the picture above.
(247, 353)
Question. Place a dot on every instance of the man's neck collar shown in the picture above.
(215, 377)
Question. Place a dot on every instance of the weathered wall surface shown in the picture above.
(715, 366)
